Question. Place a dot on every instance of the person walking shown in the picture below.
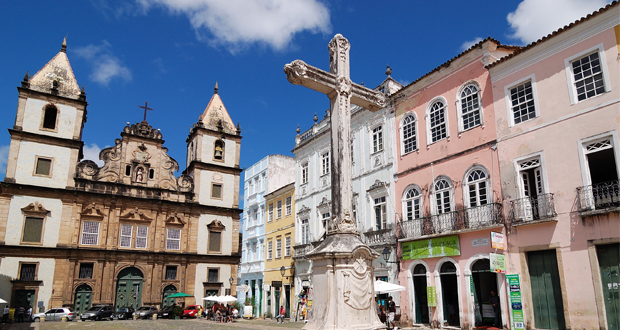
(29, 314)
(280, 317)
(5, 315)
(391, 311)
(20, 314)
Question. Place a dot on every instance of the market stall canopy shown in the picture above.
(2, 301)
(179, 295)
(221, 299)
(385, 287)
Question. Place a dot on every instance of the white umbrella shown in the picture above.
(385, 287)
(211, 298)
(221, 299)
(2, 301)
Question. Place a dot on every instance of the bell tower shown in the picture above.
(213, 147)
(46, 140)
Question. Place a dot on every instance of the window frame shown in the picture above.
(278, 209)
(450, 190)
(466, 184)
(270, 249)
(304, 172)
(44, 112)
(414, 125)
(92, 264)
(377, 139)
(288, 205)
(36, 162)
(325, 163)
(36, 270)
(585, 169)
(287, 245)
(406, 199)
(278, 247)
(213, 184)
(570, 76)
(84, 221)
(37, 215)
(380, 203)
(210, 239)
(168, 230)
(305, 230)
(270, 214)
(459, 106)
(429, 135)
(176, 273)
(507, 96)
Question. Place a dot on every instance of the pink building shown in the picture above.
(557, 114)
(449, 182)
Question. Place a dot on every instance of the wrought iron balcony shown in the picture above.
(381, 237)
(532, 209)
(473, 218)
(599, 198)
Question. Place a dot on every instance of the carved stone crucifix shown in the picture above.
(341, 92)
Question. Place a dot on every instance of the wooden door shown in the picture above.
(609, 263)
(547, 301)
(83, 298)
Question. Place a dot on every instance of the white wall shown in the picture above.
(33, 117)
(15, 221)
(9, 269)
(230, 150)
(201, 276)
(26, 159)
(203, 233)
(228, 189)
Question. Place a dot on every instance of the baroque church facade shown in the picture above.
(128, 233)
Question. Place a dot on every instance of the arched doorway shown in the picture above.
(83, 298)
(449, 293)
(485, 281)
(419, 294)
(129, 288)
(168, 291)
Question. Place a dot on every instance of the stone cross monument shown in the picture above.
(342, 264)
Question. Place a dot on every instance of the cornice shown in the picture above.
(46, 139)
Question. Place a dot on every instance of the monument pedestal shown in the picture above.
(342, 278)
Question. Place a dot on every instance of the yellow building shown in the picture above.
(280, 238)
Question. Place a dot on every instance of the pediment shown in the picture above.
(35, 207)
(135, 214)
(92, 210)
(175, 219)
(216, 225)
(303, 210)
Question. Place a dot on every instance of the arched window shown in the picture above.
(218, 151)
(443, 195)
(476, 187)
(412, 203)
(49, 117)
(470, 107)
(438, 129)
(409, 134)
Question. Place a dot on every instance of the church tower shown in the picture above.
(213, 147)
(46, 138)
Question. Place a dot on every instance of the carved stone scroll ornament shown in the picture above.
(111, 168)
(185, 183)
(92, 209)
(135, 214)
(295, 70)
(35, 207)
(176, 219)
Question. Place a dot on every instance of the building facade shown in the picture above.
(268, 174)
(129, 233)
(280, 238)
(558, 118)
(448, 191)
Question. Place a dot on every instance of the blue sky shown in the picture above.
(171, 53)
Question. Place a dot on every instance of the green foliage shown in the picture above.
(177, 311)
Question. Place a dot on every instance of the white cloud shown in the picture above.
(465, 46)
(4, 155)
(105, 65)
(238, 23)
(92, 153)
(534, 19)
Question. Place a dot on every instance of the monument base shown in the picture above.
(342, 277)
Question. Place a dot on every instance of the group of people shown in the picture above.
(222, 313)
(386, 312)
(20, 313)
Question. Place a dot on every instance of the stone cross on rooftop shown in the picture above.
(337, 85)
(145, 107)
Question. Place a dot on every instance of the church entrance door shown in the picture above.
(83, 298)
(24, 298)
(168, 291)
(129, 288)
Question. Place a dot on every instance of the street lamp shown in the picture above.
(231, 280)
(386, 256)
(282, 271)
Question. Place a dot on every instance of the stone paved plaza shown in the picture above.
(150, 324)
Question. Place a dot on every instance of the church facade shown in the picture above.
(128, 233)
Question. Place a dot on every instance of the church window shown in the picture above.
(409, 134)
(90, 233)
(279, 209)
(325, 163)
(127, 236)
(33, 230)
(270, 211)
(50, 116)
(126, 233)
(171, 273)
(269, 249)
(287, 246)
(218, 153)
(43, 166)
(173, 239)
(151, 173)
(213, 275)
(377, 139)
(278, 247)
(304, 173)
(380, 213)
(86, 270)
(216, 191)
(128, 170)
(437, 120)
(215, 241)
(470, 107)
(28, 272)
(289, 205)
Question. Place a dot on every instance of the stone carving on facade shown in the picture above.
(92, 209)
(141, 155)
(176, 219)
(135, 214)
(185, 183)
(216, 225)
(35, 207)
(167, 168)
(347, 223)
(111, 156)
(217, 177)
(143, 129)
(358, 292)
(304, 210)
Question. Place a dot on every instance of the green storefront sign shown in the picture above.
(431, 296)
(431, 248)
(516, 305)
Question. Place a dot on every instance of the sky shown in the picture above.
(170, 53)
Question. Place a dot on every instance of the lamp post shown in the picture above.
(386, 256)
(282, 271)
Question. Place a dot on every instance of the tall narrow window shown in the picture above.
(173, 239)
(270, 249)
(437, 116)
(86, 270)
(470, 107)
(412, 204)
(90, 232)
(377, 139)
(141, 237)
(522, 102)
(216, 191)
(126, 233)
(588, 76)
(380, 213)
(304, 173)
(289, 205)
(215, 241)
(287, 246)
(218, 153)
(49, 117)
(171, 273)
(324, 218)
(325, 163)
(278, 248)
(279, 209)
(270, 211)
(213, 275)
(33, 230)
(443, 196)
(410, 141)
(43, 166)
(305, 232)
(477, 188)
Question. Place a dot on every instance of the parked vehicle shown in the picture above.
(192, 311)
(98, 313)
(56, 314)
(145, 312)
(123, 313)
(166, 313)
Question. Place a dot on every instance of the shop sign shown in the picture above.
(431, 248)
(498, 263)
(431, 296)
(276, 284)
(480, 242)
(497, 240)
(514, 297)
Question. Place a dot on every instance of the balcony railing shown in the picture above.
(600, 196)
(528, 209)
(300, 251)
(386, 236)
(489, 215)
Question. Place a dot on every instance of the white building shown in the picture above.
(267, 175)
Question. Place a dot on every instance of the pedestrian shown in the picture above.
(29, 314)
(391, 311)
(5, 315)
(377, 306)
(20, 314)
(280, 317)
(494, 301)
